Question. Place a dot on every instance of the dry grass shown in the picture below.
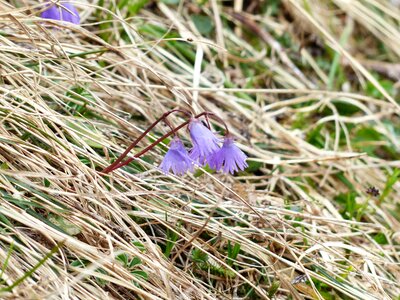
(70, 102)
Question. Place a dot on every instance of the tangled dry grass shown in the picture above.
(298, 223)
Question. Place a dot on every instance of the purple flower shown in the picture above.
(62, 13)
(204, 141)
(177, 159)
(229, 158)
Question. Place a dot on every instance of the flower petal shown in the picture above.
(229, 158)
(204, 141)
(62, 13)
(177, 159)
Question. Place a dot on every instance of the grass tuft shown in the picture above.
(308, 88)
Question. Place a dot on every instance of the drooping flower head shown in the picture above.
(229, 158)
(204, 141)
(64, 12)
(177, 158)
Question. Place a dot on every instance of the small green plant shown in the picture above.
(132, 265)
(172, 237)
(391, 180)
(233, 252)
(83, 263)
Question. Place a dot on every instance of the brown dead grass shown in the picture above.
(283, 217)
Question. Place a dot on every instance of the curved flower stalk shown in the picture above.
(177, 158)
(229, 158)
(206, 149)
(64, 12)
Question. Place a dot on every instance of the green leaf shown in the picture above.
(88, 133)
(32, 270)
(200, 172)
(365, 138)
(392, 179)
(387, 85)
(233, 252)
(315, 137)
(344, 180)
(170, 2)
(5, 264)
(102, 282)
(139, 245)
(64, 224)
(140, 274)
(253, 166)
(203, 24)
(349, 204)
(123, 258)
(336, 59)
(199, 256)
(344, 108)
(134, 262)
(273, 288)
(5, 220)
(122, 3)
(46, 182)
(79, 263)
(172, 237)
(381, 239)
(136, 5)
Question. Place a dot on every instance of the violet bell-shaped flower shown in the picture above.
(204, 141)
(177, 158)
(63, 12)
(229, 158)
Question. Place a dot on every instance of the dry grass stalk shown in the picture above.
(285, 220)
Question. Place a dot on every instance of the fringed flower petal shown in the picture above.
(177, 159)
(229, 158)
(204, 142)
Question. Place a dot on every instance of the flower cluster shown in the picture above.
(228, 158)
(64, 12)
(221, 155)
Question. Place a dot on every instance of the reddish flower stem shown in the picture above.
(129, 160)
(126, 162)
(119, 163)
(215, 117)
(126, 152)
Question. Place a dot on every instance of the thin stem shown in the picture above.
(208, 122)
(33, 269)
(215, 117)
(168, 124)
(126, 162)
(126, 152)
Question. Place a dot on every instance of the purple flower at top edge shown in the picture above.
(58, 12)
(204, 141)
(229, 158)
(177, 159)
